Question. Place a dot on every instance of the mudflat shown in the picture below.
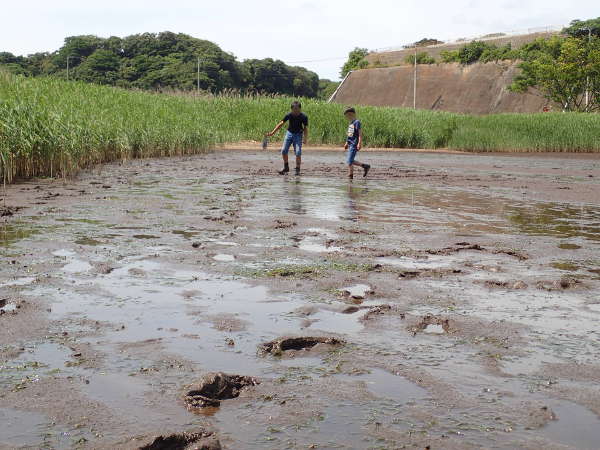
(448, 300)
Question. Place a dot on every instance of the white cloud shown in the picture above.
(291, 31)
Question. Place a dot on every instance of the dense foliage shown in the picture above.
(425, 42)
(564, 70)
(163, 61)
(356, 60)
(49, 127)
(479, 51)
(583, 28)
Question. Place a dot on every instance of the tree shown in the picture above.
(563, 70)
(425, 42)
(356, 60)
(101, 67)
(275, 77)
(422, 58)
(327, 88)
(163, 61)
(471, 52)
(582, 28)
(448, 56)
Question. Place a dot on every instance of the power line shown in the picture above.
(337, 58)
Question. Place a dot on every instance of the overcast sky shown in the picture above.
(293, 31)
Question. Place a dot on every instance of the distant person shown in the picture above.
(354, 143)
(296, 135)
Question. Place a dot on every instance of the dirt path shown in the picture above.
(448, 301)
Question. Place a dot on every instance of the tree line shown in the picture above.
(162, 61)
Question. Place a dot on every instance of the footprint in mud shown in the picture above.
(431, 324)
(202, 440)
(214, 387)
(279, 346)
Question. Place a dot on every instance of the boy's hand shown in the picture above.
(346, 146)
(358, 147)
(304, 140)
(270, 134)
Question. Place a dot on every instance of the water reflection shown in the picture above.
(294, 194)
(353, 203)
(552, 219)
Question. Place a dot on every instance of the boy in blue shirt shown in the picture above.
(354, 143)
(296, 135)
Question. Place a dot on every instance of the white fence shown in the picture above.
(485, 37)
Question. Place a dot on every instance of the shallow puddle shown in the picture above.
(311, 245)
(22, 428)
(223, 257)
(433, 328)
(10, 234)
(18, 282)
(575, 426)
(386, 385)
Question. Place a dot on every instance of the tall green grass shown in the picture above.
(50, 127)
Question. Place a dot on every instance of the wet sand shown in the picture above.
(461, 292)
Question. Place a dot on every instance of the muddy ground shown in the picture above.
(448, 301)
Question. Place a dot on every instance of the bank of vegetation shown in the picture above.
(564, 68)
(51, 127)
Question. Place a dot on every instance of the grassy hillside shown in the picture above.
(50, 127)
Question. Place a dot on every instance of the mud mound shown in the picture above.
(214, 387)
(7, 211)
(358, 292)
(11, 308)
(521, 256)
(278, 346)
(431, 324)
(497, 284)
(559, 285)
(378, 311)
(184, 441)
(281, 224)
(458, 247)
(428, 273)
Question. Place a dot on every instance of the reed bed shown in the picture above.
(50, 127)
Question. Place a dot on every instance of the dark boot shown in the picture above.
(297, 171)
(366, 168)
(286, 169)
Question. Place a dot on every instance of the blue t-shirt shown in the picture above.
(353, 132)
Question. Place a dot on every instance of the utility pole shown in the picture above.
(415, 81)
(198, 78)
(587, 81)
(68, 59)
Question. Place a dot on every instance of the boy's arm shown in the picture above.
(305, 132)
(276, 129)
(359, 146)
